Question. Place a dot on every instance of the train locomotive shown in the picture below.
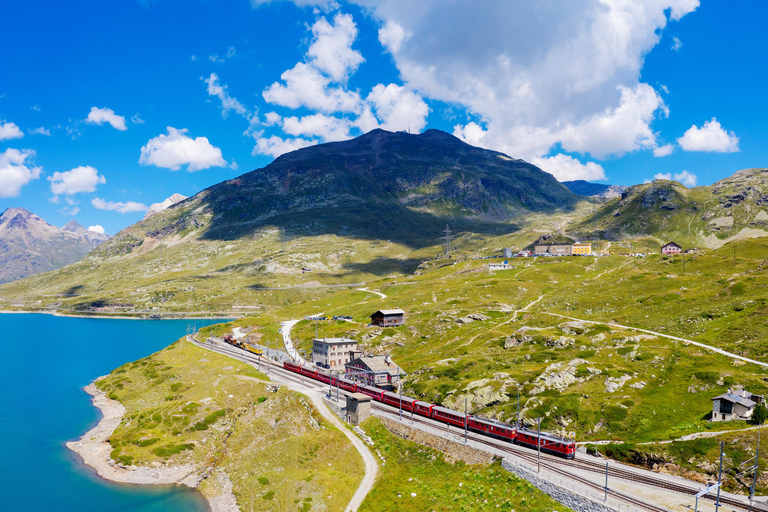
(228, 338)
(546, 441)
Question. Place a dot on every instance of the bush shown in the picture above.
(760, 414)
(585, 354)
(738, 289)
(263, 480)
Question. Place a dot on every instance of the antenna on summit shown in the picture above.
(447, 240)
(409, 127)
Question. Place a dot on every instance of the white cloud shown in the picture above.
(15, 173)
(686, 178)
(392, 36)
(128, 207)
(227, 102)
(234, 165)
(215, 58)
(272, 118)
(40, 131)
(537, 73)
(176, 149)
(66, 211)
(80, 179)
(35, 108)
(231, 52)
(9, 130)
(471, 133)
(566, 168)
(97, 229)
(398, 108)
(136, 119)
(710, 137)
(305, 86)
(676, 44)
(317, 125)
(331, 51)
(665, 150)
(276, 146)
(100, 116)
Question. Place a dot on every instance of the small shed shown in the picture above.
(671, 248)
(388, 317)
(358, 408)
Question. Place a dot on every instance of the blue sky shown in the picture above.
(108, 107)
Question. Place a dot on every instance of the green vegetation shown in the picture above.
(417, 478)
(221, 415)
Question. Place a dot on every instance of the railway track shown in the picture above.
(549, 462)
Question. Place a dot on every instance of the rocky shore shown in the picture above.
(95, 451)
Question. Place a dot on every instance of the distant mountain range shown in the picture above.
(586, 188)
(29, 245)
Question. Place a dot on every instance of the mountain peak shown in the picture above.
(72, 226)
(158, 207)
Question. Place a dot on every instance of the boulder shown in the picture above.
(613, 384)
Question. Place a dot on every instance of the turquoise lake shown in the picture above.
(44, 364)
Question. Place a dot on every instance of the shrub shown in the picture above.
(585, 354)
(147, 442)
(739, 288)
(760, 414)
(624, 351)
(269, 495)
(263, 480)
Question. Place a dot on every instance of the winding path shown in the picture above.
(684, 340)
(371, 291)
(286, 327)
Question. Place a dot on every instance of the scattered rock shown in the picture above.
(613, 384)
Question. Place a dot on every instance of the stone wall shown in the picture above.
(336, 407)
(452, 449)
(564, 496)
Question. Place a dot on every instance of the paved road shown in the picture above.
(287, 326)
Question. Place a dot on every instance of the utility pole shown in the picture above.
(518, 406)
(754, 478)
(400, 403)
(466, 420)
(538, 445)
(447, 240)
(683, 263)
(606, 480)
(719, 478)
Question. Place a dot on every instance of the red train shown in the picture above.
(550, 443)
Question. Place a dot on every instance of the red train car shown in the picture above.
(492, 428)
(394, 400)
(345, 384)
(323, 377)
(292, 367)
(371, 391)
(308, 372)
(550, 443)
(448, 416)
(422, 408)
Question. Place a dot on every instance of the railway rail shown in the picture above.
(549, 462)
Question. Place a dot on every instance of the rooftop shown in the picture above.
(390, 312)
(736, 399)
(334, 341)
(378, 363)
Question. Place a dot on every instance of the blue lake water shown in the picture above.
(45, 361)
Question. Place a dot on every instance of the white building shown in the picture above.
(507, 252)
(499, 266)
(736, 404)
(332, 353)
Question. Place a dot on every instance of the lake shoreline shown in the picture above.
(95, 450)
(109, 316)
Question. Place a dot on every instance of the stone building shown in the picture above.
(332, 353)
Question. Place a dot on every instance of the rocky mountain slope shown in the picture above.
(734, 208)
(29, 245)
(586, 188)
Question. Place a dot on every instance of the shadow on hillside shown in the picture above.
(383, 266)
(74, 290)
(390, 222)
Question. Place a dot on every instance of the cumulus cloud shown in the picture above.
(686, 178)
(15, 172)
(534, 86)
(398, 108)
(97, 229)
(136, 119)
(566, 168)
(665, 150)
(80, 179)
(175, 149)
(227, 102)
(328, 128)
(710, 137)
(276, 146)
(392, 36)
(9, 130)
(127, 207)
(676, 44)
(40, 131)
(331, 51)
(305, 86)
(100, 116)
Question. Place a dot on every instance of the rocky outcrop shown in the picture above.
(474, 317)
(558, 376)
(158, 207)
